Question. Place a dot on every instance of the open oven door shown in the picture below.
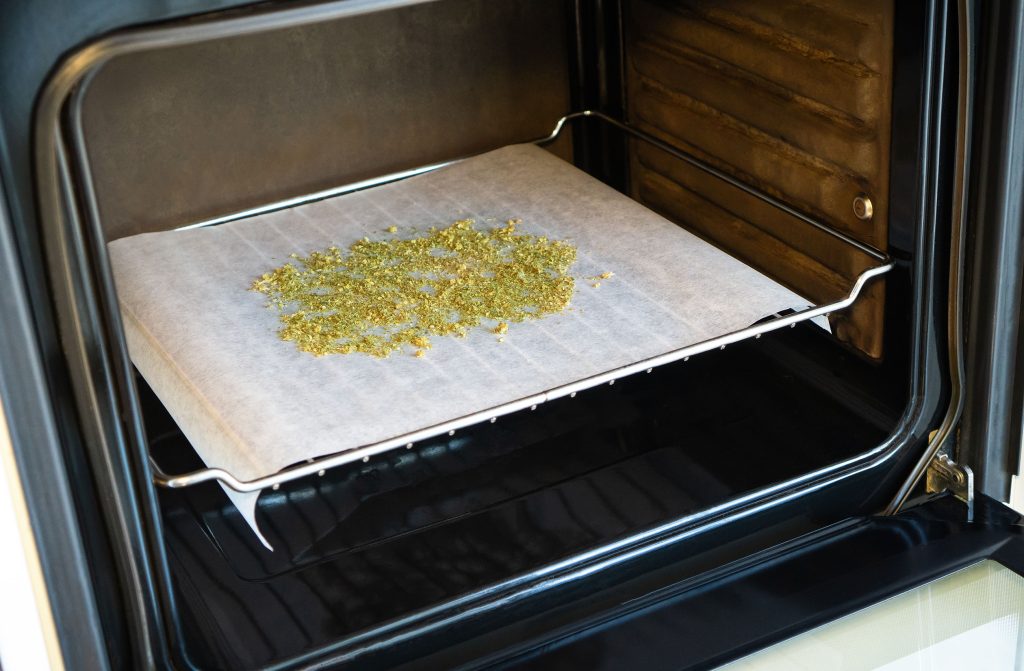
(865, 571)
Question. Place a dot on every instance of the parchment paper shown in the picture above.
(252, 404)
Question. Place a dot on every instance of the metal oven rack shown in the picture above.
(320, 465)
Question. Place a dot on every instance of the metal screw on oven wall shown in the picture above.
(863, 209)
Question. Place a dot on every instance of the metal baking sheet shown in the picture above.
(252, 404)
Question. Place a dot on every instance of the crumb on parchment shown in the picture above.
(380, 296)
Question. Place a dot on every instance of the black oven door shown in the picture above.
(972, 571)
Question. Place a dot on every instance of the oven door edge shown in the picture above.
(751, 604)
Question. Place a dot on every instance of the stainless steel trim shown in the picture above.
(318, 195)
(954, 325)
(944, 475)
(31, 638)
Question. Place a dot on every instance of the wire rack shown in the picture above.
(319, 466)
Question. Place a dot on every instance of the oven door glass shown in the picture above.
(969, 619)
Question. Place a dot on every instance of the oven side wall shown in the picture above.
(792, 97)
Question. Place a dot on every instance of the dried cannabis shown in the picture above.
(383, 295)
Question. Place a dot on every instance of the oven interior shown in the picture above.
(797, 99)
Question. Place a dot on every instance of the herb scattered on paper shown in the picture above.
(603, 276)
(383, 295)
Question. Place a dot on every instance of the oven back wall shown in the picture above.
(187, 133)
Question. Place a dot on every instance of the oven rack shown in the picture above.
(320, 465)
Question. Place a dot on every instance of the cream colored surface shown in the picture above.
(252, 404)
(1017, 490)
(971, 620)
(1017, 481)
(28, 637)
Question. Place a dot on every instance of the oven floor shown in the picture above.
(368, 543)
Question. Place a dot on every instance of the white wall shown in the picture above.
(27, 634)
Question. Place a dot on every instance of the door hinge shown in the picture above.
(945, 475)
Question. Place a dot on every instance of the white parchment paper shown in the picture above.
(253, 404)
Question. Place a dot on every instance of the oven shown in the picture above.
(781, 217)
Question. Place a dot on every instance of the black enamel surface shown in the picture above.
(801, 586)
(372, 542)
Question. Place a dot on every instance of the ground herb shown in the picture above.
(385, 295)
